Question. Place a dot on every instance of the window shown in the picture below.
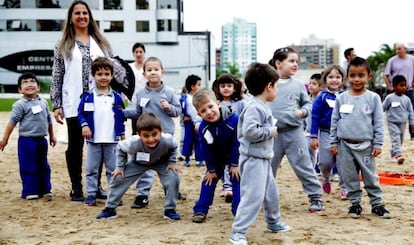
(113, 26)
(141, 4)
(166, 4)
(49, 25)
(112, 4)
(167, 25)
(142, 26)
(47, 4)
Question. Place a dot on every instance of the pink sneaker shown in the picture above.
(326, 186)
(344, 194)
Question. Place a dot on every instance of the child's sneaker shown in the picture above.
(238, 240)
(107, 213)
(228, 196)
(278, 227)
(140, 202)
(381, 212)
(316, 206)
(170, 214)
(32, 197)
(326, 186)
(344, 194)
(199, 163)
(90, 200)
(199, 217)
(187, 163)
(355, 211)
(400, 159)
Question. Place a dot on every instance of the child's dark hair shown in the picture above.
(101, 62)
(280, 54)
(191, 80)
(358, 61)
(228, 78)
(26, 75)
(138, 45)
(330, 68)
(397, 80)
(148, 122)
(258, 76)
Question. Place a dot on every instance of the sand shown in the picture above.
(61, 221)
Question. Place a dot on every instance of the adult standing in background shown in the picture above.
(349, 54)
(138, 51)
(401, 64)
(81, 42)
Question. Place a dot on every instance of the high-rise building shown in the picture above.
(29, 30)
(317, 53)
(238, 44)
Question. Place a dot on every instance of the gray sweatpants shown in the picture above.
(257, 188)
(169, 180)
(293, 144)
(326, 160)
(98, 153)
(355, 163)
(396, 131)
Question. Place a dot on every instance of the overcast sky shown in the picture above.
(362, 24)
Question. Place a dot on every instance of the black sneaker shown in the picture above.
(140, 202)
(355, 211)
(381, 212)
(170, 214)
(77, 196)
(107, 213)
(101, 193)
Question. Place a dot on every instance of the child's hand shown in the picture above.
(334, 150)
(52, 141)
(3, 144)
(209, 177)
(165, 105)
(314, 143)
(118, 172)
(376, 152)
(173, 167)
(86, 132)
(299, 113)
(274, 132)
(234, 172)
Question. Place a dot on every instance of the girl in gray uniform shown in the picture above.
(289, 108)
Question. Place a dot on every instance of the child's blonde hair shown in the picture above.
(152, 59)
(202, 96)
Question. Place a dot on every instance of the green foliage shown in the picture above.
(44, 85)
(229, 69)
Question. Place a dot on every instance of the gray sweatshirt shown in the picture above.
(164, 153)
(291, 97)
(255, 128)
(398, 108)
(358, 118)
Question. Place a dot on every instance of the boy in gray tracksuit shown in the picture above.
(151, 149)
(357, 136)
(255, 131)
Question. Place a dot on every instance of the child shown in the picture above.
(314, 87)
(100, 116)
(149, 150)
(256, 130)
(220, 148)
(32, 114)
(398, 109)
(228, 90)
(191, 122)
(333, 77)
(289, 108)
(161, 100)
(357, 135)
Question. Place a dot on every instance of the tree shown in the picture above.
(231, 69)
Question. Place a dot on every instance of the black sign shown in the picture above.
(39, 62)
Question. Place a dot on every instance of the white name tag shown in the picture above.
(89, 107)
(143, 102)
(36, 109)
(395, 104)
(347, 108)
(143, 157)
(331, 103)
(208, 137)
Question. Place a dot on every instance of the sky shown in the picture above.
(362, 24)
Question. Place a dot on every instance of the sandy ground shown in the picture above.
(61, 221)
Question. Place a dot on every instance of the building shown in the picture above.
(30, 29)
(238, 44)
(317, 53)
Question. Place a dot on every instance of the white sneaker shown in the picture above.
(239, 241)
(31, 197)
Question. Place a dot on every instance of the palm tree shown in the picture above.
(231, 69)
